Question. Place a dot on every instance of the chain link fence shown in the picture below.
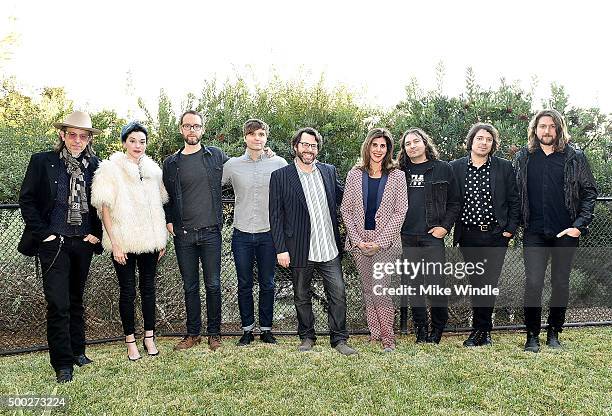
(23, 309)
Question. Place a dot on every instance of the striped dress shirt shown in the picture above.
(322, 241)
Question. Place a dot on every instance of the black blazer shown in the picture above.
(37, 199)
(504, 193)
(289, 218)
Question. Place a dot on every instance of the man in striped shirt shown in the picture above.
(303, 218)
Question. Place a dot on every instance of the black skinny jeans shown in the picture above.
(147, 267)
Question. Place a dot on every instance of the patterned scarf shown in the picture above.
(77, 196)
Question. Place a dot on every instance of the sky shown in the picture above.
(108, 53)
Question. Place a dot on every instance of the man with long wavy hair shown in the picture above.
(433, 206)
(558, 194)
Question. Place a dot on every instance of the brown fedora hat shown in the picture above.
(77, 120)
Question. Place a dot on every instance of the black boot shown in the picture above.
(533, 342)
(246, 338)
(435, 336)
(474, 339)
(404, 320)
(552, 338)
(421, 334)
(486, 340)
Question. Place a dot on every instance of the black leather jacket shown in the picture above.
(579, 186)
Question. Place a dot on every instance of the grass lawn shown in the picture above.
(264, 379)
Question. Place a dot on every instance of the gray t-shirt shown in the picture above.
(198, 209)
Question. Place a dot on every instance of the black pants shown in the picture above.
(333, 284)
(65, 264)
(488, 248)
(147, 266)
(537, 250)
(426, 249)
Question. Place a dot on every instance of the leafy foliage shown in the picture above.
(26, 122)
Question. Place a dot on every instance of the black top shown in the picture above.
(545, 179)
(415, 223)
(371, 208)
(198, 208)
(478, 206)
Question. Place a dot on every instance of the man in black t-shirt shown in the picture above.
(433, 204)
(192, 177)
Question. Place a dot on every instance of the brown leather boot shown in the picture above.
(214, 342)
(188, 342)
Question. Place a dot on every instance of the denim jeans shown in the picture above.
(537, 250)
(333, 284)
(64, 284)
(192, 247)
(126, 274)
(246, 248)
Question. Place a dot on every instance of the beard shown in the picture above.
(302, 155)
(193, 140)
(546, 140)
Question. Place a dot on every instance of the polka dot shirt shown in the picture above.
(478, 205)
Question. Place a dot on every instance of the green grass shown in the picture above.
(264, 379)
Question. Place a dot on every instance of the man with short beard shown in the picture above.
(304, 222)
(62, 228)
(558, 194)
(192, 177)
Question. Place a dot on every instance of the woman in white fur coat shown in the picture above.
(129, 194)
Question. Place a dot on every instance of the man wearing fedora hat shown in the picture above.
(62, 228)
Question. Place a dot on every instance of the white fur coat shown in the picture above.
(136, 206)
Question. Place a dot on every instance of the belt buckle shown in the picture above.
(484, 227)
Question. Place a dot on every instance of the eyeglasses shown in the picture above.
(313, 146)
(73, 136)
(194, 127)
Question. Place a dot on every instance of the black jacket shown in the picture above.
(504, 193)
(579, 186)
(213, 159)
(442, 205)
(289, 218)
(37, 199)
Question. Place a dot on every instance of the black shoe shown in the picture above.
(552, 338)
(82, 360)
(404, 320)
(246, 339)
(145, 346)
(267, 337)
(63, 375)
(421, 334)
(474, 339)
(486, 340)
(533, 342)
(435, 336)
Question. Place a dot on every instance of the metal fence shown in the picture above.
(22, 303)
